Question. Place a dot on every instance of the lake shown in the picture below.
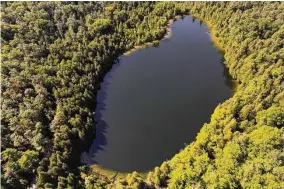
(155, 100)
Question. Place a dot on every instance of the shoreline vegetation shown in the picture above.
(221, 49)
(113, 175)
(167, 35)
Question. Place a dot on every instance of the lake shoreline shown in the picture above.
(167, 35)
(110, 173)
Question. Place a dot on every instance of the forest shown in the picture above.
(55, 54)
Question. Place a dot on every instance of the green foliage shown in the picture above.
(54, 55)
(28, 160)
(94, 182)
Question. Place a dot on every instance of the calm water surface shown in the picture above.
(155, 100)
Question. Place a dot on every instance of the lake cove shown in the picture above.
(155, 100)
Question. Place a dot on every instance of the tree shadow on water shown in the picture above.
(99, 137)
(228, 79)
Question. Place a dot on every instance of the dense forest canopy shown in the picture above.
(54, 55)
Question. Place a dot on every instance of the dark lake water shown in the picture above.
(156, 99)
